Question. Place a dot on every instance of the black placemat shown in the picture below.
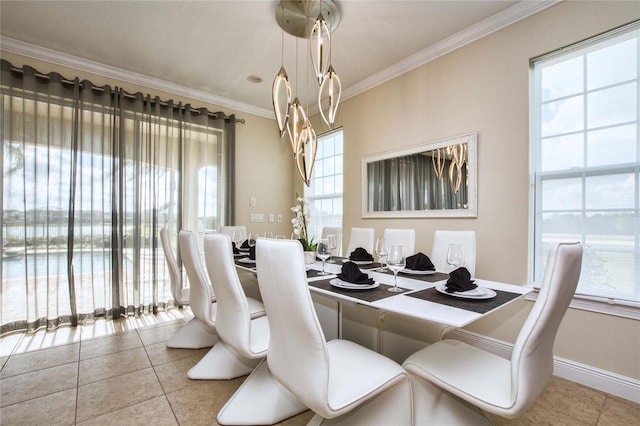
(372, 295)
(480, 306)
(312, 273)
(438, 276)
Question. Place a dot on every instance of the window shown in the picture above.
(586, 162)
(325, 192)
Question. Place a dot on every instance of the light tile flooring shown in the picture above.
(121, 372)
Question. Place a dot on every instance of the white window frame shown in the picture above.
(314, 179)
(596, 303)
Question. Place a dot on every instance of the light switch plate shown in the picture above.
(257, 217)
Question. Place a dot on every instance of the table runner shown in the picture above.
(480, 306)
(372, 295)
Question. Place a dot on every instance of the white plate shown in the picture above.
(240, 255)
(361, 262)
(247, 260)
(414, 272)
(336, 282)
(245, 249)
(476, 293)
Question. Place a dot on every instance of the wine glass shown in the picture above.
(268, 234)
(251, 241)
(323, 252)
(382, 250)
(455, 256)
(331, 240)
(396, 262)
(238, 238)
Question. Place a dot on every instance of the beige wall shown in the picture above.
(483, 87)
(263, 167)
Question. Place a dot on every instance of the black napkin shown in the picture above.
(252, 253)
(460, 280)
(235, 249)
(245, 244)
(420, 262)
(352, 274)
(361, 254)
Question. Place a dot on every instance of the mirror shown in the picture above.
(435, 179)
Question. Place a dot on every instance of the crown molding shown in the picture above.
(64, 59)
(515, 13)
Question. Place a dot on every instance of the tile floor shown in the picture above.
(116, 372)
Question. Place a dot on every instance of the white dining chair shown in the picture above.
(229, 230)
(484, 381)
(441, 241)
(260, 399)
(219, 362)
(402, 237)
(341, 381)
(193, 335)
(337, 231)
(360, 237)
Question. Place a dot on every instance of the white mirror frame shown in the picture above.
(472, 169)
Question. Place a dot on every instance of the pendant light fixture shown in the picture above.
(296, 17)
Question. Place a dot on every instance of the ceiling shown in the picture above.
(206, 49)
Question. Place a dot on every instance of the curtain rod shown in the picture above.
(64, 80)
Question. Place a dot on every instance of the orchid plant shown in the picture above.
(300, 223)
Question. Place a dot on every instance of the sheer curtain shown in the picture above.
(410, 183)
(90, 174)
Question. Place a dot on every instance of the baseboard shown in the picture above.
(602, 380)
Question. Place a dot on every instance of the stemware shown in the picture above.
(382, 250)
(455, 256)
(251, 241)
(323, 252)
(333, 244)
(396, 262)
(238, 238)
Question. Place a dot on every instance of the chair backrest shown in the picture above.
(174, 270)
(233, 319)
(201, 293)
(360, 237)
(229, 230)
(337, 231)
(532, 357)
(441, 241)
(297, 349)
(402, 237)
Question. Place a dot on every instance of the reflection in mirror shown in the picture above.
(435, 179)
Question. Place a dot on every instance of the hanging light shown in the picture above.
(294, 17)
(281, 96)
(320, 48)
(333, 88)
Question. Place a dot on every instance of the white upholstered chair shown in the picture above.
(260, 399)
(229, 230)
(219, 362)
(193, 335)
(337, 231)
(402, 237)
(341, 381)
(441, 241)
(506, 387)
(360, 237)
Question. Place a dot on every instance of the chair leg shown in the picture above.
(193, 335)
(433, 406)
(393, 406)
(260, 400)
(222, 363)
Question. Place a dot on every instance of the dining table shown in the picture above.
(423, 294)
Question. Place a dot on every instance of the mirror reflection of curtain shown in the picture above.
(410, 183)
(90, 175)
